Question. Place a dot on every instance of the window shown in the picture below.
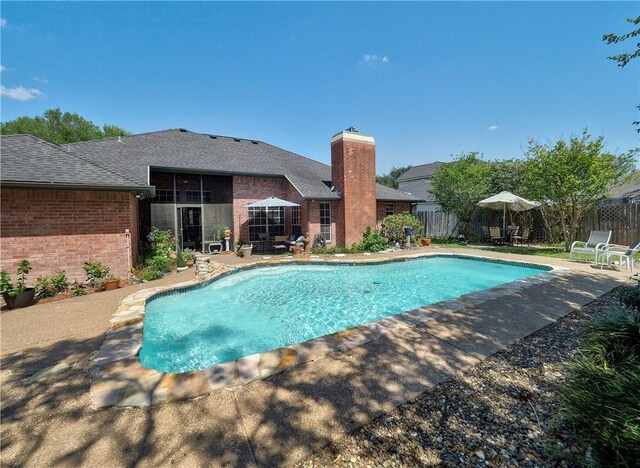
(296, 225)
(165, 196)
(259, 223)
(390, 209)
(193, 196)
(325, 220)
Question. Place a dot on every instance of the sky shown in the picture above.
(427, 80)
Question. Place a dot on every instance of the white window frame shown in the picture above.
(325, 228)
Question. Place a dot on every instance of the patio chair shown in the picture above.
(615, 252)
(596, 243)
(486, 235)
(523, 237)
(280, 244)
(496, 237)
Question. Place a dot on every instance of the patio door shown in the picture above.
(189, 227)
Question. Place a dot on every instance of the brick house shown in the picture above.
(95, 201)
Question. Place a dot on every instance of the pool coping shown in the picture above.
(119, 379)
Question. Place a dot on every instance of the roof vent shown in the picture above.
(254, 142)
(119, 139)
(213, 136)
(352, 130)
(236, 139)
(183, 130)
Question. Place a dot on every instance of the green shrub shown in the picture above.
(180, 262)
(393, 227)
(372, 241)
(163, 251)
(95, 273)
(148, 273)
(49, 287)
(630, 296)
(601, 397)
(78, 289)
(24, 268)
(336, 249)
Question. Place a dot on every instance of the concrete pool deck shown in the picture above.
(270, 422)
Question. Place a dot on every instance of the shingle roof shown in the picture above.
(627, 192)
(420, 172)
(182, 149)
(418, 188)
(28, 160)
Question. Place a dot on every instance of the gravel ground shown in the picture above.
(501, 412)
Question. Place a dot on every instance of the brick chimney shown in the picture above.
(353, 173)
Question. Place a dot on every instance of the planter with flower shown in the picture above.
(189, 256)
(17, 295)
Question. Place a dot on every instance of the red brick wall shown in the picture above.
(399, 208)
(353, 165)
(61, 229)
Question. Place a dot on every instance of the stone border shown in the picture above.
(119, 379)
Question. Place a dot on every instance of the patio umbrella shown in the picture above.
(507, 200)
(271, 202)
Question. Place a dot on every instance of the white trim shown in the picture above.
(348, 136)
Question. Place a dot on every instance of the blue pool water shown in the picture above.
(266, 308)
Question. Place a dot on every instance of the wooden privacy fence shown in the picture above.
(438, 224)
(620, 218)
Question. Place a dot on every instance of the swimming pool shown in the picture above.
(270, 307)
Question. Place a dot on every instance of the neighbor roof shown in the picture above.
(627, 192)
(420, 172)
(28, 160)
(181, 149)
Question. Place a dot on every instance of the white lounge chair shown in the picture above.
(616, 252)
(596, 243)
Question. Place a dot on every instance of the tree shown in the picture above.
(611, 38)
(389, 179)
(506, 175)
(459, 185)
(624, 59)
(570, 176)
(60, 128)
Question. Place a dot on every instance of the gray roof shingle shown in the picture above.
(182, 149)
(28, 160)
(420, 172)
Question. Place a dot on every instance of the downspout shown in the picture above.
(202, 212)
(175, 213)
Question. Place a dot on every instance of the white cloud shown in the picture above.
(40, 80)
(492, 128)
(20, 93)
(371, 59)
(2, 68)
(3, 22)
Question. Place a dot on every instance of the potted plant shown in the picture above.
(426, 241)
(189, 257)
(18, 295)
(96, 274)
(181, 265)
(110, 282)
(245, 250)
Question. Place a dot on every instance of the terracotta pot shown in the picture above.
(23, 299)
(111, 284)
(296, 250)
(189, 263)
(426, 241)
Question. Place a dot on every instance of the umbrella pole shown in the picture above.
(504, 218)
